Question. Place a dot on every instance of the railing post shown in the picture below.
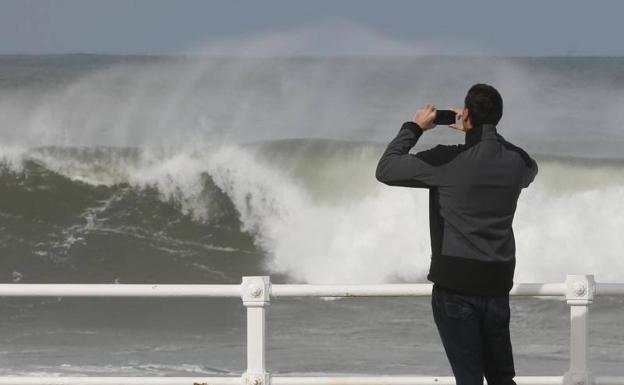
(580, 289)
(255, 293)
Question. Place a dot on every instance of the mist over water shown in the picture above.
(202, 169)
(141, 101)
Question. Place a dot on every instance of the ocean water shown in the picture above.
(188, 170)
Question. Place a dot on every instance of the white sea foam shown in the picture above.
(566, 222)
(385, 234)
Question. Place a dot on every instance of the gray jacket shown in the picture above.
(473, 190)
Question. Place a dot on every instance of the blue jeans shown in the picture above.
(475, 334)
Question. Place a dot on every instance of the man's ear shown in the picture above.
(466, 118)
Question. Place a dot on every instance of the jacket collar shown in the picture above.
(481, 132)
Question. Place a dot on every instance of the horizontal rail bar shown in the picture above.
(277, 290)
(538, 289)
(390, 290)
(119, 380)
(609, 288)
(284, 380)
(397, 380)
(398, 290)
(117, 290)
(383, 380)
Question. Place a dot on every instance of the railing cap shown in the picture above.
(256, 290)
(580, 289)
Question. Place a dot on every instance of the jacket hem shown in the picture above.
(471, 276)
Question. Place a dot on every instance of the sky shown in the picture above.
(318, 27)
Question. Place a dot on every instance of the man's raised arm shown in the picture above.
(397, 167)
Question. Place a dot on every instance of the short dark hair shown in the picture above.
(484, 104)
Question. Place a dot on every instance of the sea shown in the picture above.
(204, 169)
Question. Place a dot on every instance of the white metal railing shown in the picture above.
(256, 293)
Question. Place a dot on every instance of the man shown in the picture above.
(473, 190)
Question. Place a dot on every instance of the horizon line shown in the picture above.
(315, 56)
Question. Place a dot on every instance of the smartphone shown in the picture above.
(446, 117)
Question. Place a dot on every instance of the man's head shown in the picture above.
(483, 104)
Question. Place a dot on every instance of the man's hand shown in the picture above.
(459, 125)
(424, 117)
